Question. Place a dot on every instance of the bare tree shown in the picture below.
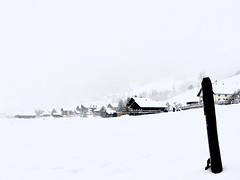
(200, 78)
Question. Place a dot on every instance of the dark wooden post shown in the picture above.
(209, 110)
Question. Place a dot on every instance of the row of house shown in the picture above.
(135, 106)
(82, 111)
(223, 91)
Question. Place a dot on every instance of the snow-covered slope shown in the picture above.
(157, 90)
(183, 98)
(226, 86)
(164, 146)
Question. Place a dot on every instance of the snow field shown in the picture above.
(163, 146)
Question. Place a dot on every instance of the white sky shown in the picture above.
(61, 52)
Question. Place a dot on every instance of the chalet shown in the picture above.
(46, 114)
(219, 98)
(78, 111)
(56, 114)
(97, 111)
(107, 112)
(113, 106)
(67, 112)
(84, 111)
(104, 112)
(222, 92)
(139, 106)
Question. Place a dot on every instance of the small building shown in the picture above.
(56, 114)
(104, 112)
(107, 112)
(67, 112)
(219, 98)
(140, 106)
(97, 111)
(26, 116)
(113, 106)
(84, 111)
(46, 114)
(78, 111)
(222, 92)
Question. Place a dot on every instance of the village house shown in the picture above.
(67, 112)
(140, 106)
(108, 112)
(113, 106)
(222, 91)
(105, 112)
(97, 111)
(26, 116)
(46, 114)
(56, 114)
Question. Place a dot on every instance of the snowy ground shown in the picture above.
(164, 146)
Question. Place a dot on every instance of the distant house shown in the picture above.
(46, 114)
(222, 92)
(113, 106)
(84, 111)
(104, 112)
(139, 106)
(56, 114)
(219, 98)
(107, 112)
(89, 108)
(97, 111)
(26, 116)
(67, 112)
(78, 111)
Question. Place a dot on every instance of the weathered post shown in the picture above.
(209, 111)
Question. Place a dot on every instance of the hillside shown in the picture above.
(227, 86)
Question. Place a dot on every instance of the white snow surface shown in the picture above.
(228, 85)
(165, 146)
(183, 98)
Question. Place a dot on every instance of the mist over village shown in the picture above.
(147, 100)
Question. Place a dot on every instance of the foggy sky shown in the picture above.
(62, 52)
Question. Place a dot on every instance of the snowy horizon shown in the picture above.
(166, 90)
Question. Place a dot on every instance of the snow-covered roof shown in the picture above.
(114, 105)
(110, 111)
(145, 102)
(57, 113)
(26, 113)
(97, 109)
(47, 113)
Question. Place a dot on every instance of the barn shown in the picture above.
(140, 106)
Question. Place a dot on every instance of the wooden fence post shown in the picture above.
(209, 111)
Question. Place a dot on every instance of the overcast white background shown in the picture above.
(64, 51)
